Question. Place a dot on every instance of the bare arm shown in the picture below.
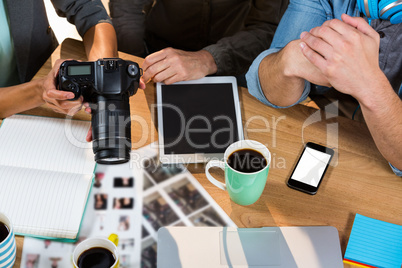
(29, 95)
(347, 54)
(280, 86)
(20, 98)
(283, 74)
(100, 42)
(92, 23)
(382, 110)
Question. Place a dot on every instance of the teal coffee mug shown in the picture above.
(8, 247)
(246, 165)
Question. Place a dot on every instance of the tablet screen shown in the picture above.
(198, 118)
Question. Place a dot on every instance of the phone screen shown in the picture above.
(311, 167)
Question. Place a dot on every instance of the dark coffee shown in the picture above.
(247, 161)
(96, 258)
(4, 231)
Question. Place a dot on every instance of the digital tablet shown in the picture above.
(198, 119)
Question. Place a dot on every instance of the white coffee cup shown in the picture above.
(98, 242)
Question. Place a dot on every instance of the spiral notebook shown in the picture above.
(46, 174)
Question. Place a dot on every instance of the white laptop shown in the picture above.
(249, 247)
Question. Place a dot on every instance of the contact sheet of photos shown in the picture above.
(172, 197)
(114, 206)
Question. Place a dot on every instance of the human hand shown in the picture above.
(296, 64)
(58, 100)
(346, 52)
(142, 84)
(88, 110)
(173, 65)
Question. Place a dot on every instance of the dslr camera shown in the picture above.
(106, 84)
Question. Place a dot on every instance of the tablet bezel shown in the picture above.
(196, 157)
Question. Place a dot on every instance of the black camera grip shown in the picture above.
(71, 87)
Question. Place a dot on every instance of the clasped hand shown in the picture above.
(346, 52)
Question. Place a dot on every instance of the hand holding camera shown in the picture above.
(106, 85)
(55, 99)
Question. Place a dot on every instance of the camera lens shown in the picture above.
(111, 129)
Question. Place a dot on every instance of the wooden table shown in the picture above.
(361, 182)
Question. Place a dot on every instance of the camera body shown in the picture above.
(110, 76)
(106, 84)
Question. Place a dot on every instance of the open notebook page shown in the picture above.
(44, 203)
(45, 174)
(46, 144)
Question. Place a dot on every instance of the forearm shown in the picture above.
(383, 114)
(278, 80)
(100, 42)
(20, 98)
(208, 66)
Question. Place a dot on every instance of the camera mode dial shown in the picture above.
(72, 87)
(132, 70)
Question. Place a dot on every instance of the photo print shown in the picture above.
(31, 261)
(208, 217)
(147, 182)
(144, 232)
(98, 179)
(100, 201)
(123, 203)
(125, 261)
(126, 244)
(100, 221)
(124, 223)
(123, 182)
(54, 262)
(50, 245)
(158, 212)
(186, 196)
(161, 172)
(47, 243)
(148, 255)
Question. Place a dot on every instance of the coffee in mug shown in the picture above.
(247, 160)
(96, 257)
(4, 231)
